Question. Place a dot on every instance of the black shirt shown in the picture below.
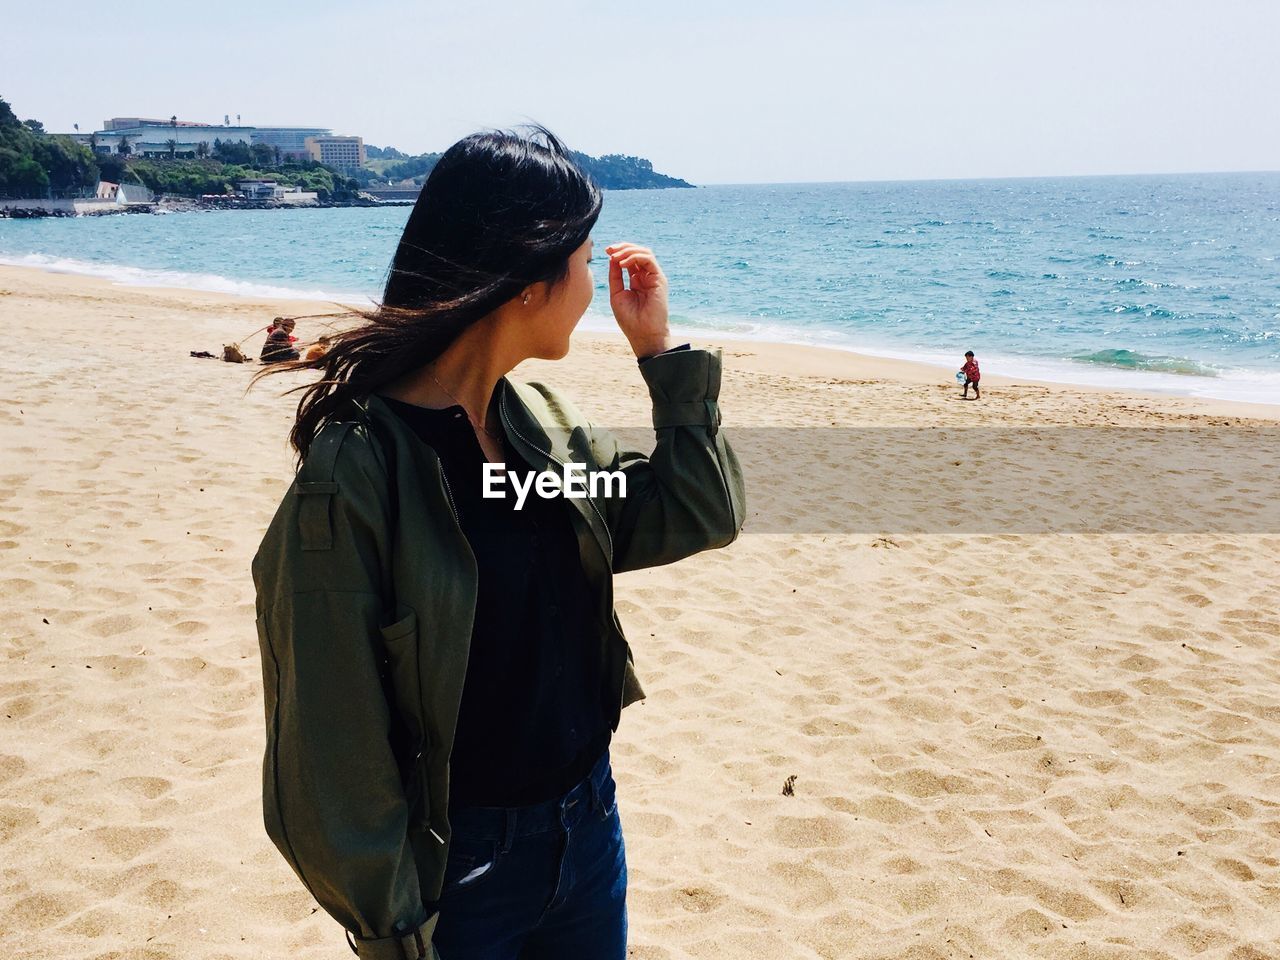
(532, 721)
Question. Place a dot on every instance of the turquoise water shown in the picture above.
(1168, 283)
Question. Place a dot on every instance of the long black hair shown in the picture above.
(500, 211)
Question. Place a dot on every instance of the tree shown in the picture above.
(125, 147)
(232, 151)
(35, 164)
(172, 146)
(262, 154)
(21, 176)
(69, 166)
(276, 152)
(413, 167)
(8, 118)
(112, 168)
(202, 149)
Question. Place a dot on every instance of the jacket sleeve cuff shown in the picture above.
(643, 360)
(413, 944)
(685, 387)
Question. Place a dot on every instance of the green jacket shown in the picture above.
(366, 588)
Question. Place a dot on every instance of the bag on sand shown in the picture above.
(231, 353)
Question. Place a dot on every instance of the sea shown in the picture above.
(1165, 283)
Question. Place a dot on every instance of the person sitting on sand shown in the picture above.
(318, 349)
(279, 345)
(971, 376)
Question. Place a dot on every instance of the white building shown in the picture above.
(270, 190)
(124, 193)
(148, 138)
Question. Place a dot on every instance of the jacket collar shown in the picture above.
(534, 427)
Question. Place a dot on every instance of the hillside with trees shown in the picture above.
(612, 171)
(34, 164)
(218, 166)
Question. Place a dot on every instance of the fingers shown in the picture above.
(639, 262)
(629, 253)
(615, 277)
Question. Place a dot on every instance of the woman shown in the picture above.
(442, 670)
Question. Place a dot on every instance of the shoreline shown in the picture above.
(87, 207)
(762, 355)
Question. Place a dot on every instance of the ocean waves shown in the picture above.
(1080, 280)
(180, 279)
(1135, 360)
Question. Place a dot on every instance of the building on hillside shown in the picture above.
(128, 123)
(134, 193)
(271, 190)
(292, 141)
(404, 190)
(123, 193)
(343, 153)
(148, 138)
(258, 189)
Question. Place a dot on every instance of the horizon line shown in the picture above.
(1022, 176)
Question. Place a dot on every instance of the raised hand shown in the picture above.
(640, 307)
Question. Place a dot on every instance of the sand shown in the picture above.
(1049, 732)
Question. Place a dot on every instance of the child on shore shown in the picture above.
(317, 349)
(971, 376)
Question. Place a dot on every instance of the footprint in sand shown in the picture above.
(40, 911)
(11, 767)
(801, 832)
(902, 864)
(112, 625)
(1139, 663)
(125, 843)
(15, 821)
(19, 708)
(149, 787)
(162, 894)
(698, 899)
(1236, 870)
(10, 529)
(801, 886)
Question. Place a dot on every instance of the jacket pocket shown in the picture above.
(400, 647)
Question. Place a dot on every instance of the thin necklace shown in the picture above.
(478, 426)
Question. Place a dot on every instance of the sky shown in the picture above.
(710, 90)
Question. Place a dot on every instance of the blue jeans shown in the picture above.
(538, 882)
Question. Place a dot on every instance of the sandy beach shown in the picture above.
(1023, 691)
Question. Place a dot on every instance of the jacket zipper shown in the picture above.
(449, 496)
(547, 453)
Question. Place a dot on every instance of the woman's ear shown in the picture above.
(535, 294)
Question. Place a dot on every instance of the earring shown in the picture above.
(526, 298)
